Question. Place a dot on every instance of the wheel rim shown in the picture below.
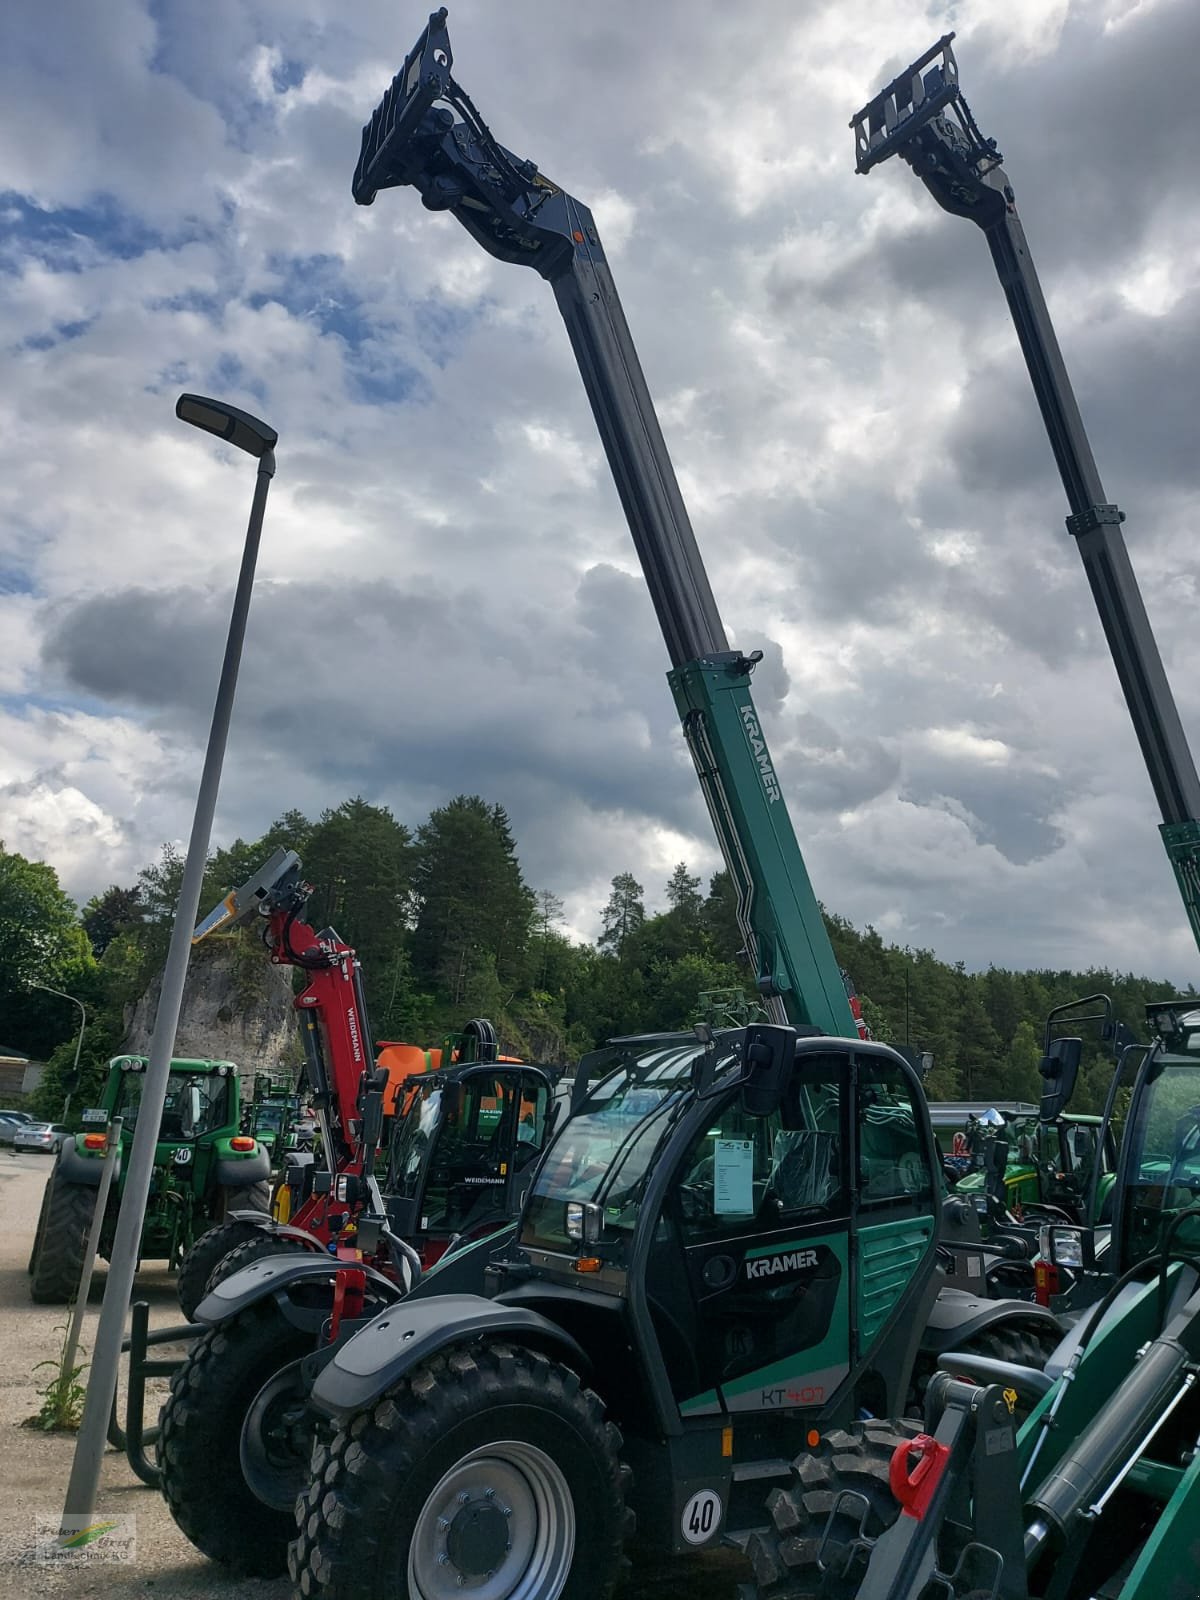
(499, 1526)
(276, 1442)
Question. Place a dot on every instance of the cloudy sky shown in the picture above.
(448, 597)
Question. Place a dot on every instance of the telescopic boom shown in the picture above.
(427, 134)
(922, 117)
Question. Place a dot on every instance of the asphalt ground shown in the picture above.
(34, 1466)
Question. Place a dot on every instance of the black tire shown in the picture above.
(375, 1486)
(1022, 1344)
(260, 1245)
(200, 1443)
(856, 1459)
(253, 1197)
(203, 1253)
(61, 1241)
(41, 1225)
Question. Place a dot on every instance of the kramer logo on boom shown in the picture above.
(758, 747)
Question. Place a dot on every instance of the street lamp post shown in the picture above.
(246, 433)
(73, 1080)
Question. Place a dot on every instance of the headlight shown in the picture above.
(1066, 1247)
(981, 1204)
(341, 1188)
(575, 1221)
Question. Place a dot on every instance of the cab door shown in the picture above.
(758, 1309)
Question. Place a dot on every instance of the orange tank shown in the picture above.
(403, 1061)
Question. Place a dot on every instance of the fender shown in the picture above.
(277, 1230)
(235, 1172)
(406, 1335)
(275, 1277)
(76, 1168)
(957, 1316)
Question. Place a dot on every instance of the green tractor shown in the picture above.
(204, 1167)
(1049, 1167)
(271, 1117)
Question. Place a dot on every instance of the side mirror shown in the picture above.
(768, 1056)
(1059, 1068)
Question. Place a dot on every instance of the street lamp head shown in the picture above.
(227, 422)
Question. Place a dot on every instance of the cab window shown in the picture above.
(894, 1172)
(758, 1174)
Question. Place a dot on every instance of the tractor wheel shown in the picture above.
(260, 1245)
(236, 1440)
(490, 1468)
(854, 1461)
(1024, 1346)
(61, 1241)
(203, 1255)
(41, 1225)
(253, 1197)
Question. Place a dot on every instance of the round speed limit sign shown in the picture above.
(701, 1517)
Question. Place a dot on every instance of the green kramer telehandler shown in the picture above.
(733, 1249)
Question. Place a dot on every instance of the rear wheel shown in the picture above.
(489, 1471)
(41, 1223)
(61, 1241)
(236, 1440)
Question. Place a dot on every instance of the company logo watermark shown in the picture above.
(85, 1540)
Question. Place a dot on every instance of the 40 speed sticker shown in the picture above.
(701, 1516)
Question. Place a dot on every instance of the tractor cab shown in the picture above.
(463, 1151)
(754, 1208)
(1159, 1186)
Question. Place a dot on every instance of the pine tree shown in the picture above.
(548, 914)
(360, 861)
(683, 892)
(623, 915)
(473, 902)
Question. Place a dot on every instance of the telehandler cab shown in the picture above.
(732, 1246)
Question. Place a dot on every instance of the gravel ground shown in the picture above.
(34, 1478)
(37, 1465)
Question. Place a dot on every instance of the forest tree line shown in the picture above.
(447, 928)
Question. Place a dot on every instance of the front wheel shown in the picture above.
(203, 1255)
(489, 1471)
(236, 1439)
(805, 1551)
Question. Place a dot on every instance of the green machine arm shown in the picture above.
(426, 133)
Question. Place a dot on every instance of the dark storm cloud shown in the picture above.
(430, 689)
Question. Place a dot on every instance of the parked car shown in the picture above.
(46, 1136)
(10, 1121)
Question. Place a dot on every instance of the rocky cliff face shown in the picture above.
(236, 1007)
